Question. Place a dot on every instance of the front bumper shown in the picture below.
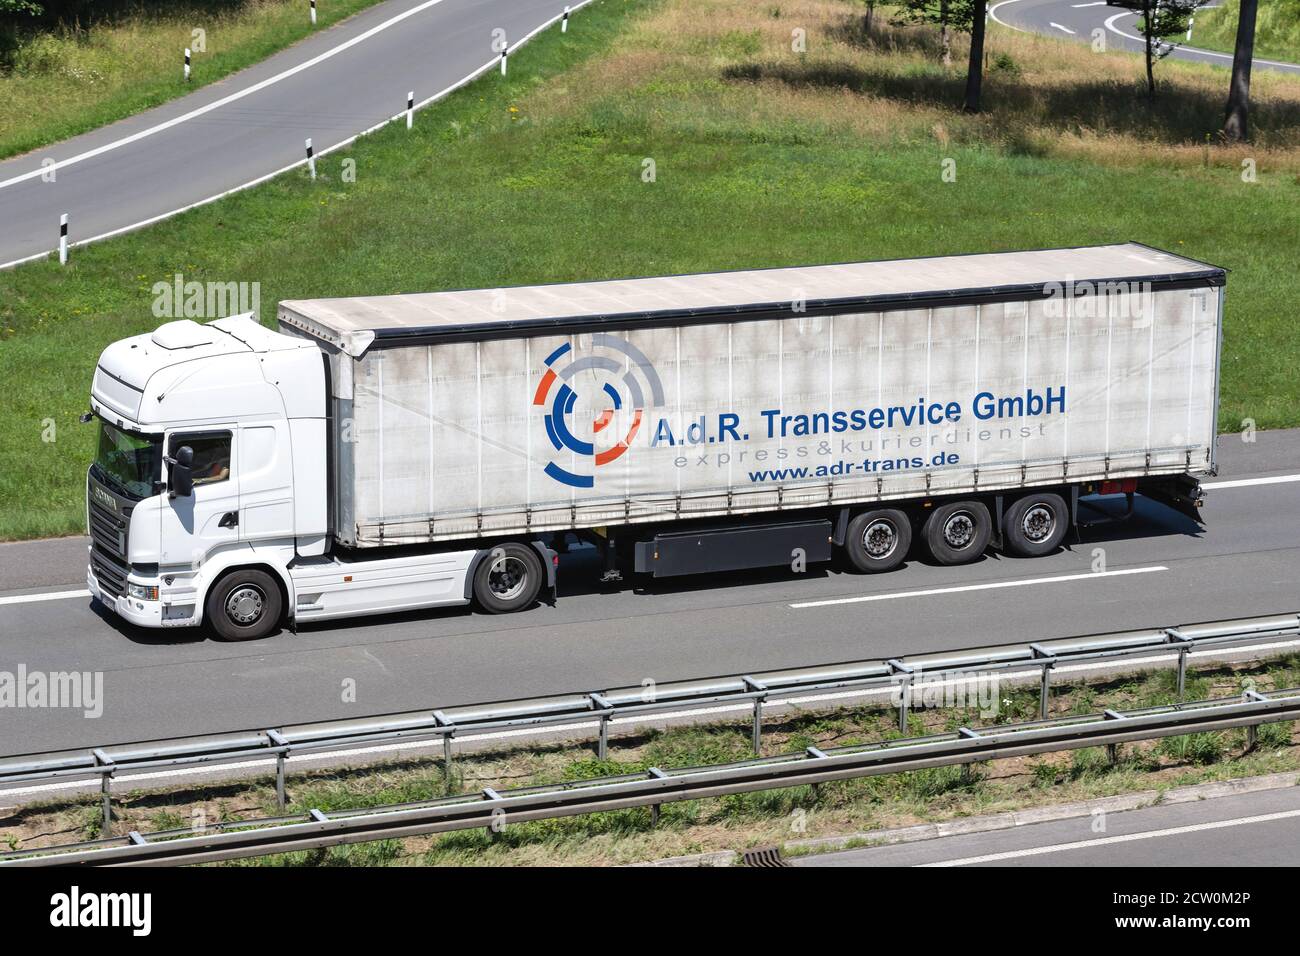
(168, 611)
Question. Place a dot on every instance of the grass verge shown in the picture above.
(1277, 29)
(734, 822)
(761, 157)
(77, 77)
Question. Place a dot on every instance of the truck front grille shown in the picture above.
(110, 574)
(108, 530)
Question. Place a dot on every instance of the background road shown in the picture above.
(399, 46)
(1077, 19)
(1253, 829)
(171, 683)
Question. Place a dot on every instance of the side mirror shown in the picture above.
(181, 472)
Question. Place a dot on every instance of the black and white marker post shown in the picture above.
(63, 239)
(187, 64)
(313, 12)
(505, 52)
(410, 109)
(564, 21)
(311, 159)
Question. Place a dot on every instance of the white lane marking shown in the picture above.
(1249, 482)
(1022, 582)
(1126, 838)
(1094, 3)
(536, 733)
(47, 596)
(993, 15)
(464, 81)
(225, 100)
(1053, 23)
(1110, 25)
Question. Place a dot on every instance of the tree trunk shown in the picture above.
(1235, 126)
(866, 24)
(945, 35)
(975, 65)
(1147, 26)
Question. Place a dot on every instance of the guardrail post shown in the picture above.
(282, 742)
(1184, 645)
(657, 774)
(443, 721)
(904, 691)
(1112, 750)
(1252, 732)
(606, 712)
(107, 767)
(1047, 662)
(756, 734)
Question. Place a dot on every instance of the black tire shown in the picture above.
(244, 606)
(508, 578)
(878, 540)
(958, 532)
(1035, 525)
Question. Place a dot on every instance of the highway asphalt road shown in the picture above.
(170, 683)
(1077, 19)
(252, 124)
(1251, 829)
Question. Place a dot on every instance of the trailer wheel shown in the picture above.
(1035, 525)
(958, 532)
(878, 540)
(244, 606)
(508, 578)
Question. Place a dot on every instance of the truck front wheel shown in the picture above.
(1035, 525)
(878, 540)
(508, 578)
(244, 606)
(958, 532)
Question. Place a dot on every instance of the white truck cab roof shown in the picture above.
(190, 372)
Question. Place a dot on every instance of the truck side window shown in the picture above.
(211, 455)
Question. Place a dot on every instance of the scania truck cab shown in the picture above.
(210, 457)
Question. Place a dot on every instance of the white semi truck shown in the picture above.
(409, 451)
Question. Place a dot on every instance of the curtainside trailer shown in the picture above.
(400, 451)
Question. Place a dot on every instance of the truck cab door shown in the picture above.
(196, 524)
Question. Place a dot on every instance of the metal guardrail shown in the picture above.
(901, 674)
(653, 788)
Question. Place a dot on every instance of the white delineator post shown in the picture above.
(187, 64)
(410, 109)
(311, 159)
(63, 239)
(564, 21)
(505, 51)
(1191, 22)
(313, 12)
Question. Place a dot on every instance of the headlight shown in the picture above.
(144, 592)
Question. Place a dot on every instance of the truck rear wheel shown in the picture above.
(958, 532)
(508, 578)
(1035, 525)
(244, 606)
(878, 540)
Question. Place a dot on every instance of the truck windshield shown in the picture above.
(129, 461)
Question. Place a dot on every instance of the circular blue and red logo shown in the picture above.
(618, 377)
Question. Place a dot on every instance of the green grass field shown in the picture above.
(67, 81)
(539, 178)
(1277, 29)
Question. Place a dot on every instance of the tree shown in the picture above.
(1161, 19)
(939, 12)
(966, 16)
(975, 64)
(1235, 127)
